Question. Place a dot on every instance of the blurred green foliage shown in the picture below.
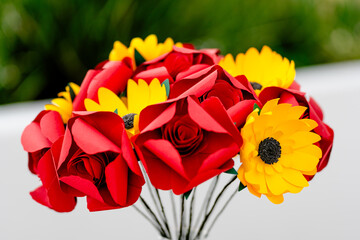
(46, 43)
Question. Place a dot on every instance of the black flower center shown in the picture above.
(269, 150)
(256, 86)
(129, 120)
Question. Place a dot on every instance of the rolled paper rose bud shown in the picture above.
(183, 143)
(98, 161)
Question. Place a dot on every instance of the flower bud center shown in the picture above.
(129, 120)
(256, 86)
(269, 150)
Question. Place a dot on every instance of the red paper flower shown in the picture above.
(177, 64)
(314, 112)
(42, 139)
(236, 94)
(97, 160)
(184, 143)
(112, 75)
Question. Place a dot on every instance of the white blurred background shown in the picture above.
(328, 209)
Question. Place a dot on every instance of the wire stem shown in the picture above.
(190, 214)
(182, 216)
(221, 211)
(162, 232)
(147, 218)
(211, 194)
(206, 201)
(173, 208)
(163, 211)
(213, 207)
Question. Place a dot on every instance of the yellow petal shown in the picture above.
(275, 199)
(299, 160)
(269, 106)
(294, 177)
(91, 105)
(109, 101)
(304, 138)
(119, 52)
(65, 115)
(276, 184)
(63, 104)
(157, 93)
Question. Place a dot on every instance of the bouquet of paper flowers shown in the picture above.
(174, 117)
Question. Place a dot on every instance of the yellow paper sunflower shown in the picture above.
(148, 48)
(139, 96)
(263, 69)
(278, 150)
(64, 104)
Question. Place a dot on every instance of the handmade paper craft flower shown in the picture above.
(177, 64)
(139, 96)
(263, 69)
(314, 112)
(148, 49)
(97, 160)
(64, 104)
(42, 140)
(110, 75)
(183, 143)
(278, 149)
(235, 94)
(183, 114)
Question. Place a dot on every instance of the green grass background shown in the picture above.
(44, 44)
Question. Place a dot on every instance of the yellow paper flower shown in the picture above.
(139, 96)
(64, 104)
(148, 48)
(263, 69)
(278, 149)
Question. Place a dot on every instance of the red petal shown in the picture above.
(166, 152)
(160, 73)
(90, 140)
(52, 126)
(202, 118)
(78, 104)
(240, 111)
(155, 116)
(32, 138)
(56, 198)
(117, 180)
(114, 77)
(83, 185)
(196, 84)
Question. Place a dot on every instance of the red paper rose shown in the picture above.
(184, 143)
(236, 94)
(98, 161)
(42, 139)
(112, 75)
(297, 98)
(176, 64)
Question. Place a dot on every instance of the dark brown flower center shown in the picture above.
(269, 150)
(129, 120)
(256, 86)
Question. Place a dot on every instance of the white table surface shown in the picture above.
(328, 209)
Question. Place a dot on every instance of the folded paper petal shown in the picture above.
(112, 75)
(51, 194)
